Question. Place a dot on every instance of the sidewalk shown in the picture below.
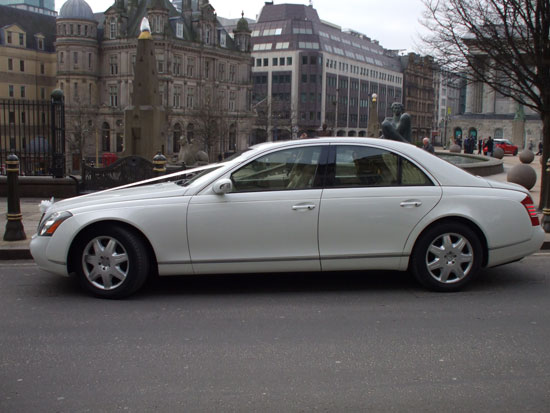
(31, 214)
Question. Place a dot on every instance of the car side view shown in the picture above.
(327, 204)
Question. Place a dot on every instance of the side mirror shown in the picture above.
(222, 186)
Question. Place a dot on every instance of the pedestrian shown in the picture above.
(489, 146)
(540, 148)
(531, 145)
(479, 146)
(427, 146)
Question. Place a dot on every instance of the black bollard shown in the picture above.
(14, 224)
(159, 162)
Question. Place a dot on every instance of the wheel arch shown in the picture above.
(456, 220)
(109, 223)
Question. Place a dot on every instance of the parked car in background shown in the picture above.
(328, 204)
(508, 147)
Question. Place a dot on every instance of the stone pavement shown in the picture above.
(31, 213)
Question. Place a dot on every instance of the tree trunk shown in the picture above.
(544, 204)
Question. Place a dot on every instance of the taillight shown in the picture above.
(531, 210)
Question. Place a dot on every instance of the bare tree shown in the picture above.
(502, 43)
(276, 116)
(80, 128)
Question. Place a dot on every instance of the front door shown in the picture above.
(268, 223)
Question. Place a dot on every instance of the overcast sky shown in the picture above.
(392, 22)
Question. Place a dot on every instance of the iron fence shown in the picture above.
(35, 132)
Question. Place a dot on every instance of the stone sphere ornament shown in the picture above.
(498, 153)
(526, 156)
(523, 175)
(454, 148)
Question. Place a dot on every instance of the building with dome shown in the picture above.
(203, 75)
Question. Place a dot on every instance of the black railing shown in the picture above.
(35, 132)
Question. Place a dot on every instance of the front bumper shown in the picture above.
(39, 248)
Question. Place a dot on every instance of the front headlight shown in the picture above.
(49, 224)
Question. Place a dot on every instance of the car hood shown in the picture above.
(112, 196)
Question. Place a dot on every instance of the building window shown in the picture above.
(113, 29)
(207, 35)
(105, 137)
(75, 58)
(61, 57)
(22, 65)
(113, 96)
(9, 38)
(221, 72)
(42, 68)
(176, 138)
(113, 62)
(41, 44)
(190, 98)
(206, 70)
(22, 91)
(90, 61)
(133, 62)
(289, 61)
(177, 96)
(10, 89)
(177, 65)
(179, 30)
(190, 66)
(10, 64)
(223, 40)
(75, 90)
(232, 70)
(42, 93)
(232, 98)
(160, 64)
(21, 39)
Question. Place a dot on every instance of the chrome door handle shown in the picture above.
(410, 204)
(303, 206)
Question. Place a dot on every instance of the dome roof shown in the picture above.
(242, 25)
(76, 9)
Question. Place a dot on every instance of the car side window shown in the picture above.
(288, 169)
(364, 166)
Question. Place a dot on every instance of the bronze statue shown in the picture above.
(397, 128)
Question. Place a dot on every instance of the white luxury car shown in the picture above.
(326, 204)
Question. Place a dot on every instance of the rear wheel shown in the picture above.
(111, 262)
(515, 152)
(447, 257)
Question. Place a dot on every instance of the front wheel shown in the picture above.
(111, 262)
(447, 257)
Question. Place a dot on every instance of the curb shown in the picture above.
(25, 254)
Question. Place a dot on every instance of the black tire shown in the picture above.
(111, 262)
(436, 261)
(515, 152)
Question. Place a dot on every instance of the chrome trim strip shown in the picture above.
(254, 260)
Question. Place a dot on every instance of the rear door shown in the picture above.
(372, 201)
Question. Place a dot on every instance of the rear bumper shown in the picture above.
(514, 252)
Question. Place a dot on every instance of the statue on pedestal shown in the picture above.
(397, 128)
(191, 155)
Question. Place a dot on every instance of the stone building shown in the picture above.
(27, 54)
(489, 113)
(308, 73)
(203, 74)
(419, 93)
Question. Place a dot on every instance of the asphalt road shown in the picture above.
(277, 343)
